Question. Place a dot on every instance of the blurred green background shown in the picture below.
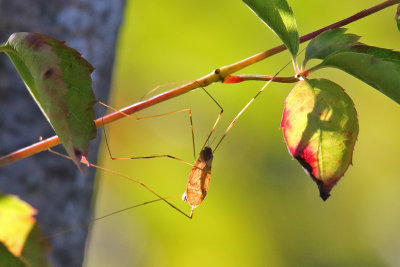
(261, 208)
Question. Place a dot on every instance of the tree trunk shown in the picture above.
(53, 185)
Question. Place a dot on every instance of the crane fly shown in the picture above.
(199, 177)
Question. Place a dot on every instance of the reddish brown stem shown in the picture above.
(217, 75)
(254, 77)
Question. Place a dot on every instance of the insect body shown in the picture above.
(199, 179)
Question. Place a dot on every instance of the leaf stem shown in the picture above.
(215, 76)
(254, 77)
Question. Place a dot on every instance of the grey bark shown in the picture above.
(53, 185)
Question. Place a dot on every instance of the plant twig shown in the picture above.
(215, 76)
(254, 77)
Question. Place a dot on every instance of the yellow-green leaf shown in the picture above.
(16, 222)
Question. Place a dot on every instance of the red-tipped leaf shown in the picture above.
(320, 128)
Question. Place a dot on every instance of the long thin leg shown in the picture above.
(247, 105)
(79, 225)
(150, 117)
(219, 115)
(132, 207)
(128, 178)
(142, 184)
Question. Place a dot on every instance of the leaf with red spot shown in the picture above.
(59, 80)
(397, 17)
(320, 127)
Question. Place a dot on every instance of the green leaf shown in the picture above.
(279, 17)
(59, 80)
(16, 221)
(35, 249)
(320, 128)
(378, 67)
(329, 42)
(7, 259)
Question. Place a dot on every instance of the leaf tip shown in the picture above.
(79, 157)
(324, 192)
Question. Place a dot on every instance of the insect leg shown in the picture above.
(126, 177)
(247, 105)
(150, 117)
(219, 115)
